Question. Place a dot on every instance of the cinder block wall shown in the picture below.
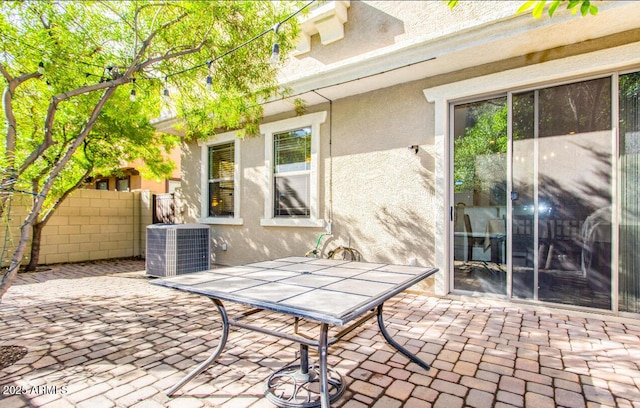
(89, 225)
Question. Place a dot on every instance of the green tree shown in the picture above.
(538, 7)
(68, 70)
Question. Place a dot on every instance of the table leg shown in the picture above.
(306, 385)
(323, 351)
(304, 361)
(397, 346)
(213, 357)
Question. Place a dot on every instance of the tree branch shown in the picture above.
(51, 112)
(64, 196)
(7, 105)
(110, 88)
(53, 106)
(164, 57)
(5, 73)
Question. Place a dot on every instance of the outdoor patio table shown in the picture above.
(344, 294)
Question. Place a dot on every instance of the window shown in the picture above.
(102, 185)
(580, 170)
(221, 180)
(291, 162)
(629, 165)
(220, 164)
(292, 172)
(173, 185)
(122, 184)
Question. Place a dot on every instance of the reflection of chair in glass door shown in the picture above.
(493, 239)
(472, 241)
(496, 240)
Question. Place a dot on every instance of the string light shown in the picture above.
(165, 93)
(112, 72)
(262, 34)
(275, 51)
(132, 96)
(209, 78)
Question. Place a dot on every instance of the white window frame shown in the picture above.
(269, 129)
(222, 138)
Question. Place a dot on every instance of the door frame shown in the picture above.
(614, 189)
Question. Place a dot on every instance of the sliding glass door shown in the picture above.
(546, 196)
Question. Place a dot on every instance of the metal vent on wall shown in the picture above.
(176, 249)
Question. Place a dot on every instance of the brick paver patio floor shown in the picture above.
(98, 335)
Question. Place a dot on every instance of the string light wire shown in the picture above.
(110, 69)
(236, 48)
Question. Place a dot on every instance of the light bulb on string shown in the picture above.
(275, 54)
(209, 78)
(165, 92)
(132, 95)
(275, 50)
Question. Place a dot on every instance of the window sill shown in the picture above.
(221, 221)
(292, 222)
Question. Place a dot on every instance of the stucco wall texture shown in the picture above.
(376, 27)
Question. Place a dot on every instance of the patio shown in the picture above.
(98, 335)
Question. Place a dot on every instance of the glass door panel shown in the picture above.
(629, 233)
(523, 199)
(562, 181)
(480, 174)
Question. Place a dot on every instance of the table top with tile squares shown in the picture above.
(325, 290)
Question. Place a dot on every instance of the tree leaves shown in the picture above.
(538, 7)
(67, 69)
(81, 53)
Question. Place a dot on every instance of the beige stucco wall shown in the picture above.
(89, 225)
(382, 192)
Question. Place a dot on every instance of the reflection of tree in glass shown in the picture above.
(485, 134)
(575, 108)
(292, 150)
(629, 86)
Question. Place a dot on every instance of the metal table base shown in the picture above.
(302, 385)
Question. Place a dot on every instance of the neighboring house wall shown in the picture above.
(137, 182)
(89, 225)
